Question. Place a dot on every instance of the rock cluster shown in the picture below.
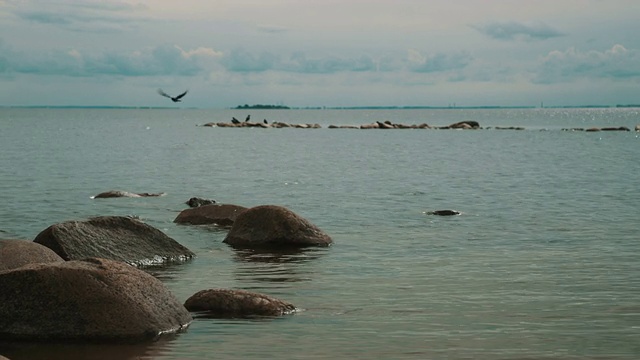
(84, 281)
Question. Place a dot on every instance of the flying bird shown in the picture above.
(174, 99)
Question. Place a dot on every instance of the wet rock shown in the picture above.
(465, 125)
(229, 303)
(620, 128)
(17, 253)
(197, 202)
(218, 214)
(444, 212)
(274, 226)
(593, 129)
(90, 300)
(118, 193)
(113, 237)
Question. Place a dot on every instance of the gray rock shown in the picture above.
(465, 125)
(228, 303)
(197, 202)
(17, 253)
(274, 226)
(118, 193)
(219, 214)
(90, 300)
(113, 237)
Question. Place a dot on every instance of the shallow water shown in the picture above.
(542, 263)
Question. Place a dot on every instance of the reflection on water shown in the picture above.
(274, 265)
(74, 351)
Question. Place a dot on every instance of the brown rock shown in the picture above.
(219, 214)
(228, 303)
(90, 300)
(274, 226)
(113, 237)
(16, 253)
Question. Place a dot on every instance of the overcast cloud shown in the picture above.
(320, 53)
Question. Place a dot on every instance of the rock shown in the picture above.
(219, 214)
(593, 129)
(621, 128)
(118, 193)
(465, 125)
(17, 253)
(197, 202)
(637, 127)
(444, 212)
(87, 301)
(228, 303)
(274, 226)
(384, 125)
(113, 237)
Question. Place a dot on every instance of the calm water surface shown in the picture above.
(542, 264)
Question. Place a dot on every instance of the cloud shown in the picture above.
(571, 64)
(518, 31)
(162, 60)
(81, 16)
(437, 62)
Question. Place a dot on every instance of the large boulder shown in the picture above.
(16, 253)
(219, 214)
(113, 237)
(229, 303)
(89, 300)
(274, 226)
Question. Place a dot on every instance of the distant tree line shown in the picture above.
(261, 106)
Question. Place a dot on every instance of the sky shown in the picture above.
(315, 53)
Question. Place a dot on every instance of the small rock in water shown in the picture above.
(444, 212)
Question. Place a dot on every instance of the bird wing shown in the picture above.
(181, 95)
(163, 93)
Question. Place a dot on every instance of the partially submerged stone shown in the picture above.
(17, 253)
(91, 300)
(197, 202)
(113, 237)
(230, 303)
(119, 193)
(444, 212)
(274, 226)
(218, 214)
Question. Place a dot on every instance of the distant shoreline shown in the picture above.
(282, 107)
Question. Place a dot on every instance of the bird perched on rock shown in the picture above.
(235, 121)
(248, 118)
(174, 99)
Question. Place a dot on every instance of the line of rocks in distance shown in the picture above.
(462, 125)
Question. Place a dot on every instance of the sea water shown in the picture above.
(541, 264)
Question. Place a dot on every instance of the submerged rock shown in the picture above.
(228, 303)
(274, 226)
(219, 214)
(113, 237)
(444, 212)
(118, 193)
(86, 301)
(17, 253)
